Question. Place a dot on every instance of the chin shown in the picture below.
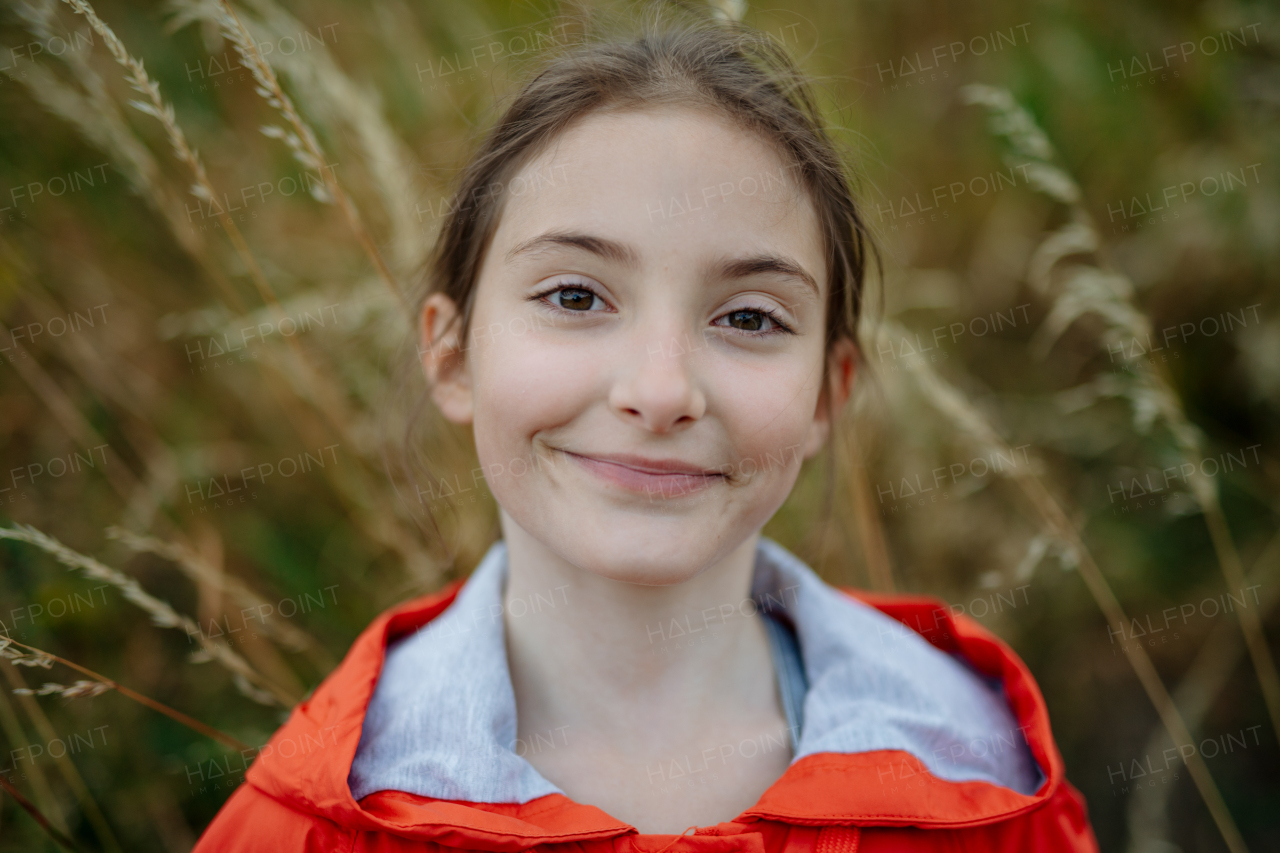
(640, 572)
(652, 558)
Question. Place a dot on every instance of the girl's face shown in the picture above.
(645, 359)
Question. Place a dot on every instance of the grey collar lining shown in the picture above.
(442, 720)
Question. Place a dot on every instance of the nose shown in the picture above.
(657, 387)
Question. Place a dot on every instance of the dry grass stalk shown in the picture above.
(379, 523)
(88, 805)
(1202, 683)
(251, 683)
(1093, 289)
(96, 116)
(190, 722)
(45, 824)
(75, 691)
(17, 657)
(155, 106)
(43, 793)
(163, 112)
(302, 141)
(331, 92)
(202, 188)
(108, 132)
(142, 496)
(114, 384)
(201, 572)
(122, 480)
(951, 403)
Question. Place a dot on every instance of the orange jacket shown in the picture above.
(296, 796)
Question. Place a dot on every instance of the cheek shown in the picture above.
(768, 413)
(524, 384)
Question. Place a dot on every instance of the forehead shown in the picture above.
(676, 183)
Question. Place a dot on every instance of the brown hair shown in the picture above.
(728, 67)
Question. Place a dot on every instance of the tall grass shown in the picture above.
(188, 132)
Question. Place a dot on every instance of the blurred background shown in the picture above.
(1066, 428)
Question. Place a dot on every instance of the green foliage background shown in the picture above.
(385, 88)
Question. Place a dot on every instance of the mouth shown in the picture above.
(656, 478)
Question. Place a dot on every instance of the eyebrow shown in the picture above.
(767, 264)
(610, 250)
(599, 246)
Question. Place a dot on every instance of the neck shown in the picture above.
(609, 653)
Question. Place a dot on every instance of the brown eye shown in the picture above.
(755, 322)
(747, 321)
(575, 298)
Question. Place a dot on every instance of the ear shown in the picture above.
(443, 356)
(842, 366)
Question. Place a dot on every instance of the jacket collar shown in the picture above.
(936, 754)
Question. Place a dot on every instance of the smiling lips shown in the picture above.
(653, 477)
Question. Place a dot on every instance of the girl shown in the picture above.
(645, 306)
